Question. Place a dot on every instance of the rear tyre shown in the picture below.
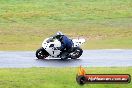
(77, 52)
(41, 53)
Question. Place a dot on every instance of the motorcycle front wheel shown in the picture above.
(41, 53)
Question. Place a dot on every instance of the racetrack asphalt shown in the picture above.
(90, 58)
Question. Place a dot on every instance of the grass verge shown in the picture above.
(104, 24)
(56, 77)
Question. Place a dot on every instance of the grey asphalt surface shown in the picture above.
(90, 58)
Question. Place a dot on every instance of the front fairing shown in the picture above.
(49, 45)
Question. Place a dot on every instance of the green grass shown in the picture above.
(56, 77)
(104, 23)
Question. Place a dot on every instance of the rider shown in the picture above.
(66, 43)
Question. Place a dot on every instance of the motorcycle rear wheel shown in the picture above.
(77, 52)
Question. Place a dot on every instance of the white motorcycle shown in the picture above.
(49, 48)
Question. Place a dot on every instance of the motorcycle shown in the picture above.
(49, 48)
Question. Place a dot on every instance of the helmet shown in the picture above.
(59, 33)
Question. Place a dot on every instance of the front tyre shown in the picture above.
(41, 53)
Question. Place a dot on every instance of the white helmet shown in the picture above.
(59, 33)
